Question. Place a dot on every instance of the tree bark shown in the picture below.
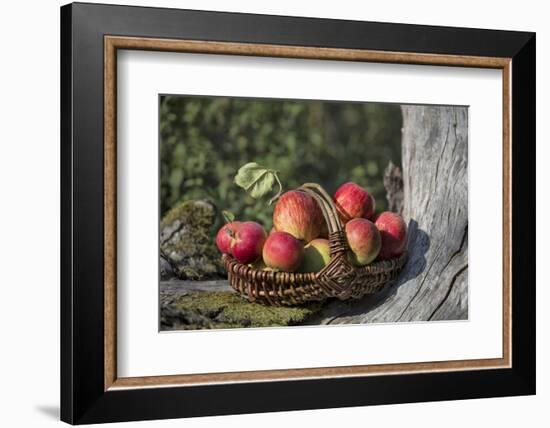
(393, 183)
(434, 282)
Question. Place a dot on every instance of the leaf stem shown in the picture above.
(274, 198)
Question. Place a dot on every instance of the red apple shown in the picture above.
(364, 240)
(297, 213)
(316, 255)
(282, 251)
(248, 242)
(353, 201)
(393, 231)
(225, 235)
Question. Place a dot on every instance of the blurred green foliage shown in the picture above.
(204, 141)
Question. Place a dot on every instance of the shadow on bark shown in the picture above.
(418, 245)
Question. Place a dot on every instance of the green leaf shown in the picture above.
(228, 216)
(257, 180)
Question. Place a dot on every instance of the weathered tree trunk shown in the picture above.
(393, 182)
(434, 283)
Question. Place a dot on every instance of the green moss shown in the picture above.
(229, 310)
(187, 240)
(198, 214)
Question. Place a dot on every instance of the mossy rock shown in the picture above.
(217, 310)
(186, 240)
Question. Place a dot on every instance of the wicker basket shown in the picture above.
(339, 278)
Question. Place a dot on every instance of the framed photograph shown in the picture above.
(273, 213)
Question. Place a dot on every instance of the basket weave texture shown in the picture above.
(339, 278)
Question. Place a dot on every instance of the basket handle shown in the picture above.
(337, 240)
(326, 204)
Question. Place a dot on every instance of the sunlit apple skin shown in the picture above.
(297, 213)
(225, 235)
(316, 256)
(393, 231)
(283, 252)
(364, 241)
(248, 243)
(353, 201)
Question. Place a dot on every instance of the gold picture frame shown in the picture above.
(114, 43)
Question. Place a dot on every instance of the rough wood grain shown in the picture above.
(434, 284)
(393, 183)
(177, 286)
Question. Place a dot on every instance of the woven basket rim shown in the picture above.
(376, 267)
